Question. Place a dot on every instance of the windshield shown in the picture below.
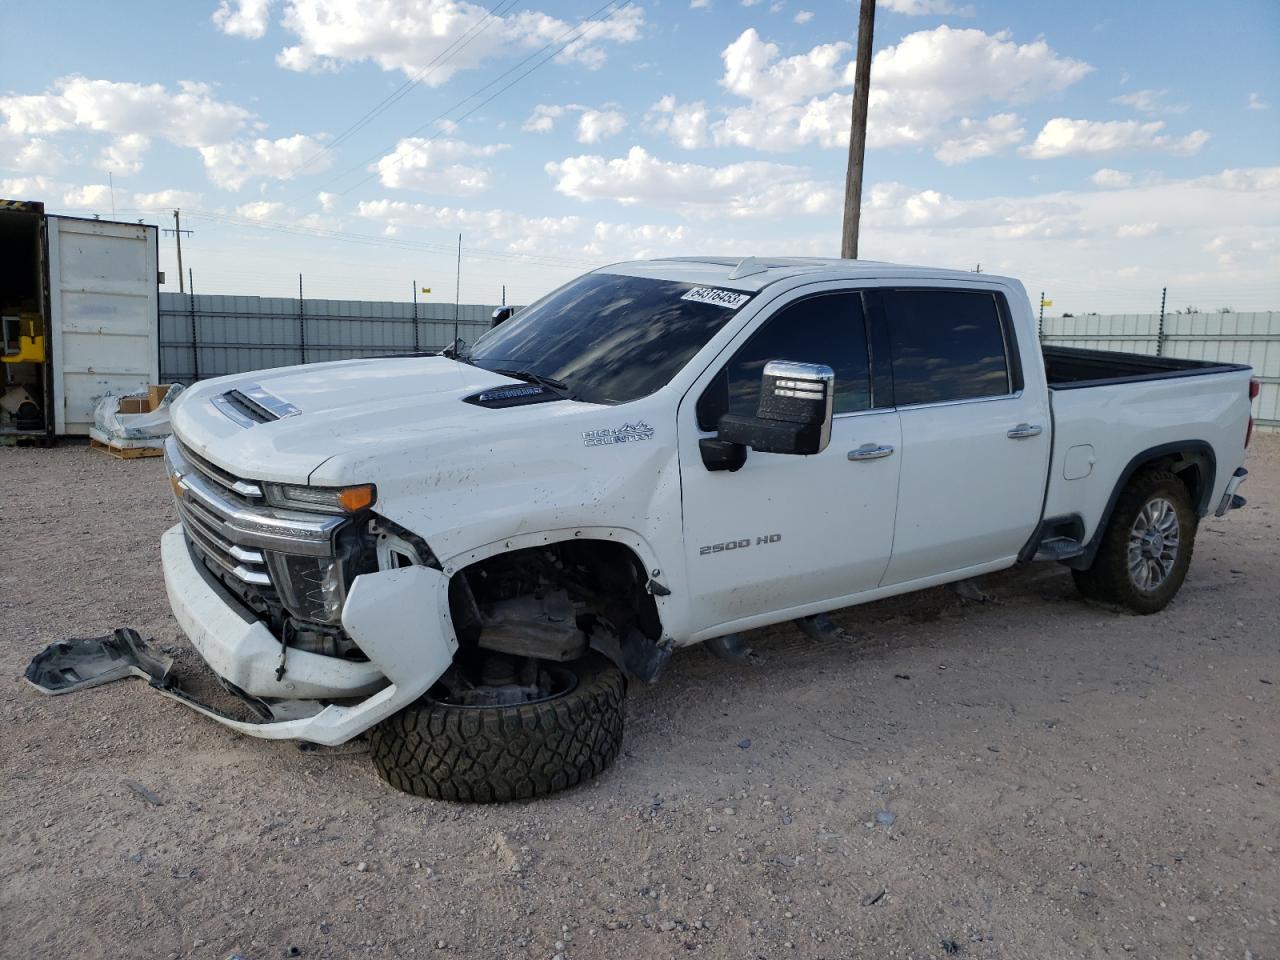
(609, 338)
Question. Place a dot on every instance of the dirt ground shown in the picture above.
(1062, 780)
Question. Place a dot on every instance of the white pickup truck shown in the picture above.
(469, 554)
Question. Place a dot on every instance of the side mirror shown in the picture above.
(794, 412)
(502, 314)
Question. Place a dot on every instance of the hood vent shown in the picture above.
(252, 404)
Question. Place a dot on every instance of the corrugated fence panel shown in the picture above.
(1251, 338)
(237, 334)
(210, 335)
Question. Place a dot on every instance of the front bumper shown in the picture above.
(399, 618)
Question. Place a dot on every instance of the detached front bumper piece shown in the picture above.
(399, 618)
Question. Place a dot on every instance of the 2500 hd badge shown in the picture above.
(738, 544)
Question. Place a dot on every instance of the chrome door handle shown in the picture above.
(1024, 430)
(870, 451)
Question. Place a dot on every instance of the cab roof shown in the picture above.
(754, 273)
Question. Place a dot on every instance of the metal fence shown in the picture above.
(209, 335)
(1252, 338)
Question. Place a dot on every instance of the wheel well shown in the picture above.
(1191, 461)
(552, 601)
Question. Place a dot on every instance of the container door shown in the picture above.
(103, 310)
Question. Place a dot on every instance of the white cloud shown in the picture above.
(189, 116)
(803, 16)
(1257, 103)
(1062, 137)
(699, 4)
(1133, 231)
(261, 210)
(516, 233)
(752, 70)
(1149, 101)
(125, 153)
(29, 154)
(1111, 179)
(597, 125)
(543, 118)
(232, 165)
(593, 125)
(26, 188)
(922, 8)
(973, 138)
(685, 123)
(166, 200)
(924, 91)
(740, 190)
(410, 35)
(243, 18)
(326, 201)
(1078, 245)
(436, 166)
(90, 196)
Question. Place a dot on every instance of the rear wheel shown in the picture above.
(1147, 546)
(567, 730)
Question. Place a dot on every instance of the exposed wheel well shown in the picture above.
(553, 601)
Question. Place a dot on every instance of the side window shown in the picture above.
(947, 345)
(827, 328)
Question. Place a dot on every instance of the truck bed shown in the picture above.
(1071, 368)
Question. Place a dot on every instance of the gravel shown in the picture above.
(1136, 783)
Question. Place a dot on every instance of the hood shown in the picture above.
(326, 409)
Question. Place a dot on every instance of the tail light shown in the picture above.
(1254, 389)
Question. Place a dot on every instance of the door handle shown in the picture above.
(871, 451)
(1024, 430)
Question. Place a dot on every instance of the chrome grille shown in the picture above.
(244, 489)
(228, 522)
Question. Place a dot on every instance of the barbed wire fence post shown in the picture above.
(1164, 293)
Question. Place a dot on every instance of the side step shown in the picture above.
(1059, 548)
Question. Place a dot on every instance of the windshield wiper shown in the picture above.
(550, 383)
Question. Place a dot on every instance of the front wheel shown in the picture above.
(489, 754)
(1147, 546)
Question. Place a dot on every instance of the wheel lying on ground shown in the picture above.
(1146, 549)
(490, 754)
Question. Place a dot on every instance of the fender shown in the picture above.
(1197, 447)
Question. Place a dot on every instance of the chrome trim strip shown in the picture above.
(286, 532)
(952, 403)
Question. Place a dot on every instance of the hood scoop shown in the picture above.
(251, 404)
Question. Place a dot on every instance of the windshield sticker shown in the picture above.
(627, 433)
(729, 299)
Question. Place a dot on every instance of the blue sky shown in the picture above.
(1099, 151)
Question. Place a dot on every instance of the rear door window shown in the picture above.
(948, 345)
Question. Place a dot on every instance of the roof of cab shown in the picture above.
(755, 273)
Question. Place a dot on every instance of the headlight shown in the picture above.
(342, 500)
(312, 588)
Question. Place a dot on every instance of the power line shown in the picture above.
(459, 44)
(390, 242)
(582, 29)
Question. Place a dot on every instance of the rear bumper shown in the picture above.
(399, 618)
(1230, 499)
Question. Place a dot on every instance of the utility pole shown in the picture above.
(177, 232)
(857, 133)
(1040, 322)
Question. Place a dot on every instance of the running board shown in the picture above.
(1059, 548)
